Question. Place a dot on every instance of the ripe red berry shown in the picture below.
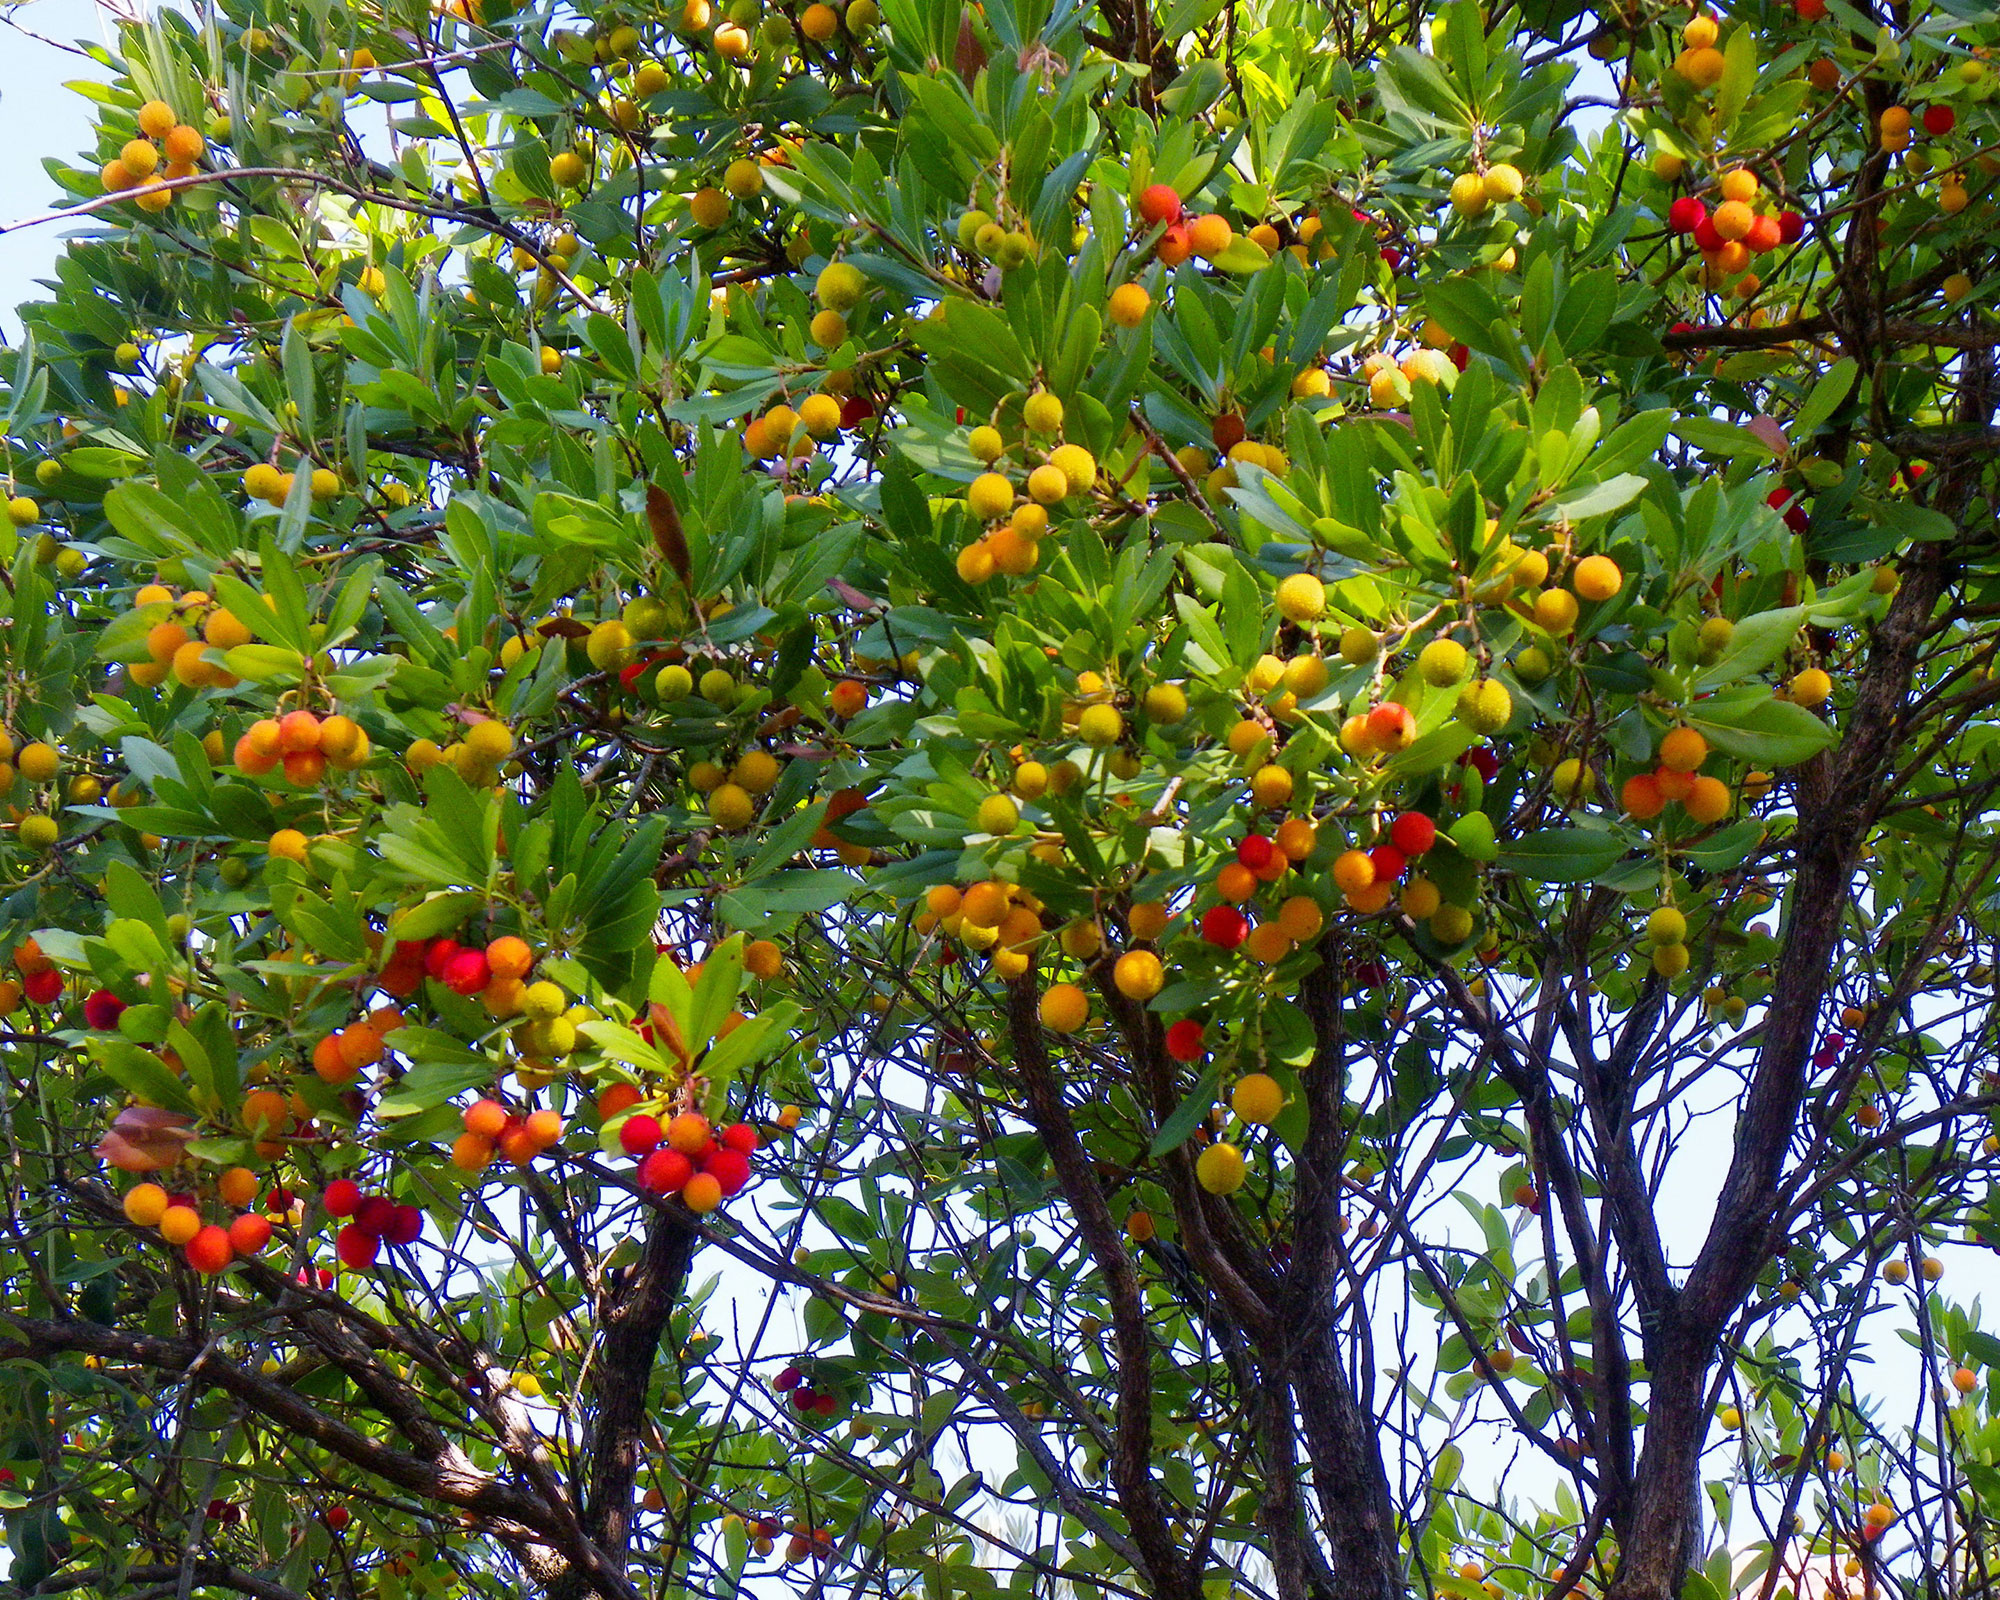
(1939, 120)
(336, 1517)
(1413, 833)
(1255, 852)
(787, 1381)
(342, 1197)
(1388, 862)
(855, 410)
(1791, 227)
(437, 954)
(356, 1247)
(665, 1172)
(639, 1134)
(405, 1225)
(1686, 214)
(1158, 203)
(374, 1214)
(467, 972)
(825, 1404)
(43, 987)
(741, 1136)
(1484, 762)
(729, 1168)
(101, 1010)
(1184, 1040)
(1706, 238)
(249, 1233)
(1224, 926)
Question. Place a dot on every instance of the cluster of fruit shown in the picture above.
(208, 1247)
(686, 1156)
(137, 166)
(1735, 233)
(302, 744)
(518, 1136)
(40, 980)
(40, 764)
(792, 1381)
(371, 1221)
(182, 630)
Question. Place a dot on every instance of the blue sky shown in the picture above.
(38, 118)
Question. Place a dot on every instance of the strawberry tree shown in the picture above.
(946, 797)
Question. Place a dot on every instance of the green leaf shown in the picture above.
(1755, 725)
(1563, 855)
(1187, 1116)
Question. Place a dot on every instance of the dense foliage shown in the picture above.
(1140, 799)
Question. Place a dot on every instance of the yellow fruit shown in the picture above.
(1257, 1099)
(744, 179)
(1271, 786)
(1064, 1008)
(1468, 194)
(1128, 305)
(1139, 975)
(709, 207)
(38, 762)
(1442, 662)
(1047, 484)
(491, 741)
(1596, 578)
(1100, 725)
(989, 497)
(839, 286)
(1502, 182)
(1042, 412)
(1701, 66)
(730, 807)
(1219, 1169)
(998, 815)
(1077, 465)
(1809, 687)
(567, 168)
(1302, 597)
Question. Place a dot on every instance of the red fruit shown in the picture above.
(279, 1202)
(375, 1214)
(854, 411)
(101, 1010)
(1227, 432)
(629, 676)
(249, 1233)
(1413, 833)
(1484, 762)
(1686, 214)
(342, 1197)
(802, 1399)
(1184, 1040)
(825, 1404)
(336, 1517)
(1388, 862)
(1224, 927)
(1158, 203)
(1681, 327)
(437, 953)
(1255, 852)
(467, 972)
(729, 1168)
(1706, 238)
(1810, 10)
(1392, 726)
(356, 1247)
(1791, 227)
(43, 987)
(1939, 120)
(325, 1277)
(639, 1134)
(1795, 515)
(1763, 235)
(209, 1251)
(1461, 356)
(787, 1381)
(665, 1172)
(406, 1225)
(740, 1136)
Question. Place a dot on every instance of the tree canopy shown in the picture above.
(1181, 799)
